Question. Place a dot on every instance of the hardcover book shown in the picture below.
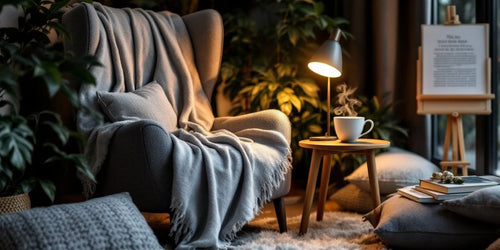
(440, 196)
(412, 194)
(472, 183)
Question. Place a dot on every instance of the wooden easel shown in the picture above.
(454, 128)
(451, 16)
(454, 134)
(453, 106)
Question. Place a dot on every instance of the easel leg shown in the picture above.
(461, 143)
(454, 142)
(454, 133)
(446, 142)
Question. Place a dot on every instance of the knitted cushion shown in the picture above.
(111, 222)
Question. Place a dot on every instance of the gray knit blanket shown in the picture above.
(221, 179)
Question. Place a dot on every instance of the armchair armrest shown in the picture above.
(139, 162)
(267, 119)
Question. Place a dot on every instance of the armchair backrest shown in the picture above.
(137, 47)
(205, 28)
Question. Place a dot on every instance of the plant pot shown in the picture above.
(14, 203)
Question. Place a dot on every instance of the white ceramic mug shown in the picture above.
(350, 128)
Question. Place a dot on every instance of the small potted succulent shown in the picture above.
(33, 68)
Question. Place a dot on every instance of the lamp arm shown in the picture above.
(328, 118)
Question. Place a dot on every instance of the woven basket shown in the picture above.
(15, 203)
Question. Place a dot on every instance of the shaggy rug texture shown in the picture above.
(338, 230)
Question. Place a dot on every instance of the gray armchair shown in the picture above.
(139, 154)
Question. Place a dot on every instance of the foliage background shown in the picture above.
(266, 49)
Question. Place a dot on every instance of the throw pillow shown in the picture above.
(402, 223)
(352, 198)
(110, 222)
(396, 168)
(483, 204)
(147, 102)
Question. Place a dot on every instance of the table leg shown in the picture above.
(311, 186)
(325, 178)
(372, 175)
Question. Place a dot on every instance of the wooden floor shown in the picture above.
(160, 223)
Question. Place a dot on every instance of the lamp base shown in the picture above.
(323, 138)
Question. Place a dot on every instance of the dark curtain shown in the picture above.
(382, 57)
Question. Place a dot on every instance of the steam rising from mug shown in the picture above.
(347, 103)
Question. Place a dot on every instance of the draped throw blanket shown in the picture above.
(220, 179)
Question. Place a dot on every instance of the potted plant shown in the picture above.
(34, 72)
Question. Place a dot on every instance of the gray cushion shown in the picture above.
(352, 198)
(395, 169)
(147, 102)
(110, 222)
(483, 204)
(400, 222)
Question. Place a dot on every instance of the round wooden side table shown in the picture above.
(325, 149)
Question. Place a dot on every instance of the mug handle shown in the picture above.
(370, 129)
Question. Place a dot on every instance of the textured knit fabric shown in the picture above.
(221, 178)
(111, 222)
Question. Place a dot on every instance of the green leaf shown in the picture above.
(71, 95)
(17, 146)
(293, 36)
(8, 172)
(283, 97)
(27, 185)
(296, 102)
(273, 87)
(264, 102)
(48, 188)
(52, 78)
(314, 128)
(3, 182)
(60, 130)
(286, 108)
(318, 8)
(82, 74)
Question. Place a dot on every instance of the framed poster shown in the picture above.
(453, 71)
(454, 59)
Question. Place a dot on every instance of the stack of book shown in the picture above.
(434, 191)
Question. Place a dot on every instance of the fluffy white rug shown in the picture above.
(338, 230)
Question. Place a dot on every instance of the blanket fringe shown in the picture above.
(180, 223)
(272, 182)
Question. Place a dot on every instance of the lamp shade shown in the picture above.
(327, 61)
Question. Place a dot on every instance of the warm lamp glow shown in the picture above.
(324, 69)
(327, 61)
